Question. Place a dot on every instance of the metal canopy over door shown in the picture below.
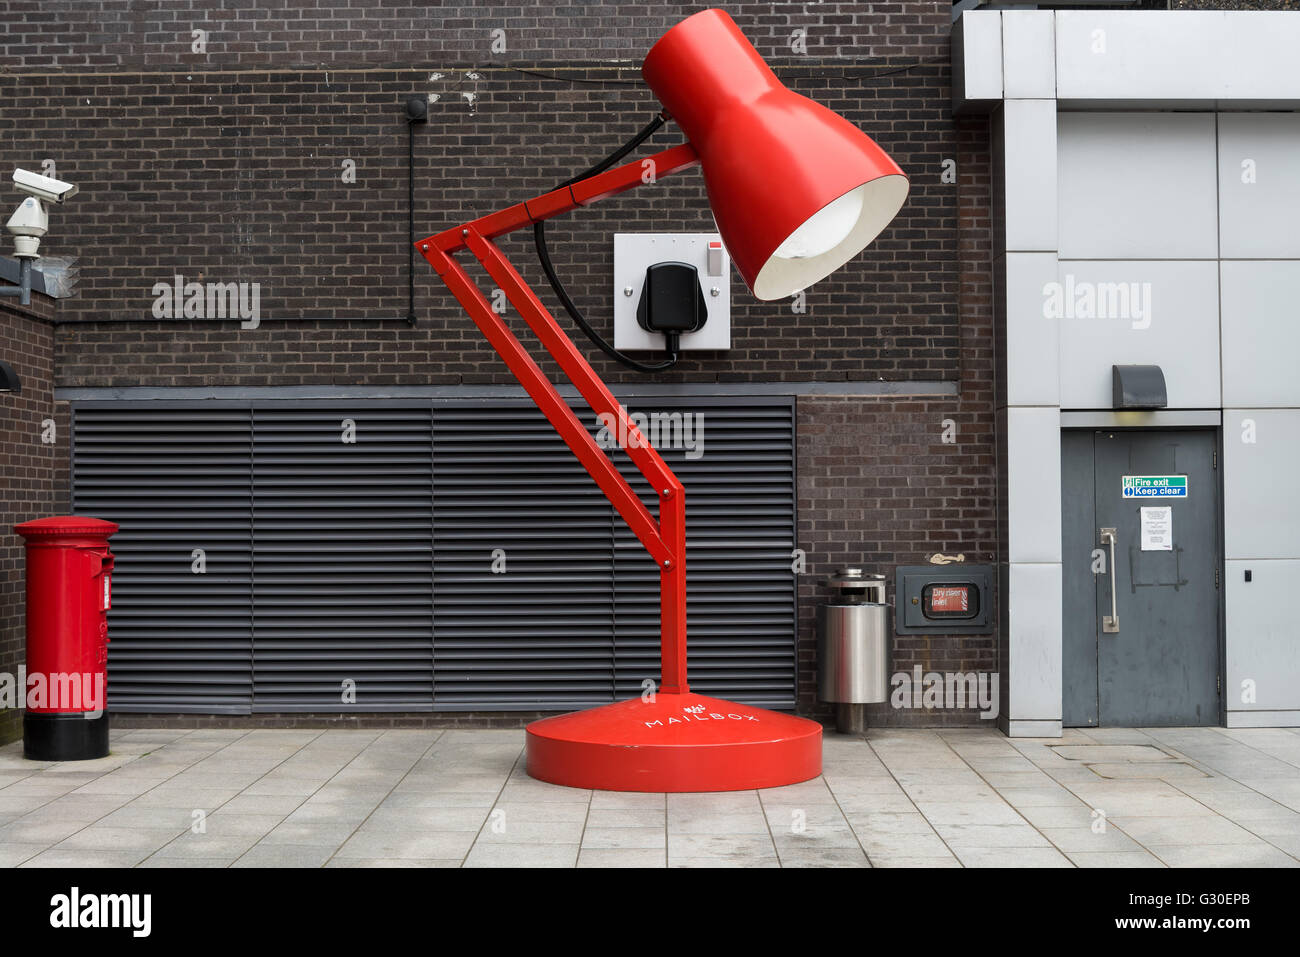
(1141, 584)
(372, 560)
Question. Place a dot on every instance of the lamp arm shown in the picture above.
(584, 192)
(665, 539)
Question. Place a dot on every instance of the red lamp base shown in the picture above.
(677, 742)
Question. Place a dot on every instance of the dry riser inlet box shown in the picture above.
(943, 599)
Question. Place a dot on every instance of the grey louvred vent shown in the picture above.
(372, 561)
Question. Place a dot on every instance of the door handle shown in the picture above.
(1110, 623)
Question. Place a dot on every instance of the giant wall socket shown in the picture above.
(635, 252)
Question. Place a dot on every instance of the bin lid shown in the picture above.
(857, 586)
(853, 578)
(60, 525)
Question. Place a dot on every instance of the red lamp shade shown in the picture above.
(796, 190)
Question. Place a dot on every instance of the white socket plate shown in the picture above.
(634, 253)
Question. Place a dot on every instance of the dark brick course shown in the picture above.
(124, 35)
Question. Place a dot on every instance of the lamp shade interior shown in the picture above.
(831, 237)
(825, 229)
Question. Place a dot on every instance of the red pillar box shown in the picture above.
(69, 592)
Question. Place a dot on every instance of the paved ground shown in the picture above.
(1170, 797)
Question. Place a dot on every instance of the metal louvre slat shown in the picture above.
(341, 498)
(373, 560)
(523, 580)
(740, 528)
(175, 481)
(741, 532)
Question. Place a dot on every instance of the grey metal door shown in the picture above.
(1140, 575)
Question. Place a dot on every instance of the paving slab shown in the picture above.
(738, 846)
(626, 817)
(285, 855)
(812, 837)
(890, 798)
(883, 846)
(914, 862)
(1012, 857)
(620, 857)
(56, 857)
(1104, 859)
(523, 855)
(1223, 855)
(98, 837)
(628, 799)
(413, 862)
(11, 855)
(1199, 830)
(1084, 838)
(371, 843)
(990, 835)
(636, 838)
(822, 857)
(1045, 795)
(724, 822)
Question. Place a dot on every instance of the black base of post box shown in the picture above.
(65, 737)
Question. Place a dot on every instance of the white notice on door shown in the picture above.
(1158, 529)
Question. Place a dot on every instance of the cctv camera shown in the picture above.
(30, 219)
(28, 224)
(43, 187)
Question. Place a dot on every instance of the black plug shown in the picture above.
(672, 302)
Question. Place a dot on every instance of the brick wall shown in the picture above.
(123, 35)
(880, 487)
(239, 178)
(30, 473)
(228, 166)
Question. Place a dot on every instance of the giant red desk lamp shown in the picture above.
(796, 192)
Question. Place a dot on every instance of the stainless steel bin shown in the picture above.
(853, 646)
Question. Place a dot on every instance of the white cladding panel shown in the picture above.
(1137, 313)
(1261, 457)
(1263, 642)
(1261, 333)
(1259, 185)
(1137, 186)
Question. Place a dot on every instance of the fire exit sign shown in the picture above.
(1155, 486)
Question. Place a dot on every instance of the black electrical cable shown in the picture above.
(574, 79)
(543, 256)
